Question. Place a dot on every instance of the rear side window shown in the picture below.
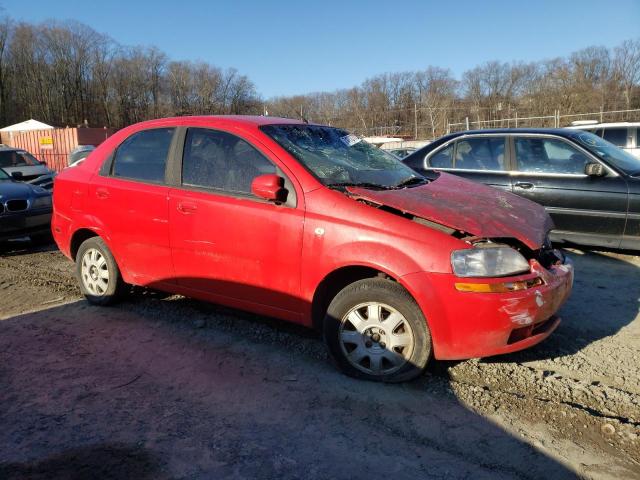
(617, 136)
(486, 153)
(219, 160)
(442, 158)
(548, 155)
(143, 156)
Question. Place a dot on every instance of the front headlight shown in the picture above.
(42, 202)
(488, 262)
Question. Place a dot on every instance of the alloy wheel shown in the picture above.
(95, 272)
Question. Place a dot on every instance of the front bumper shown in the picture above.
(470, 325)
(22, 224)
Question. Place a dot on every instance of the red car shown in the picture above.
(312, 225)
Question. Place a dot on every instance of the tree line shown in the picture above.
(67, 74)
(594, 79)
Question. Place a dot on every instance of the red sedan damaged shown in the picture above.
(310, 224)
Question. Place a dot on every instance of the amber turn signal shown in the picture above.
(504, 287)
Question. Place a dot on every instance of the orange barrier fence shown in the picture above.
(53, 146)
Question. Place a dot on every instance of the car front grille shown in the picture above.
(16, 205)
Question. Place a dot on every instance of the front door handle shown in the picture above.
(524, 185)
(187, 207)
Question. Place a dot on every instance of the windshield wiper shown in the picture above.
(411, 181)
(359, 184)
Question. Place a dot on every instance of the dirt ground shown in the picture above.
(168, 387)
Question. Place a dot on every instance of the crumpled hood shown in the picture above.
(470, 207)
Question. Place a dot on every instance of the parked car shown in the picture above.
(78, 154)
(401, 152)
(312, 225)
(625, 135)
(25, 210)
(23, 166)
(590, 188)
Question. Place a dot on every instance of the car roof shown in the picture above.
(553, 131)
(241, 120)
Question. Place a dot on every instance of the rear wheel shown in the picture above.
(375, 330)
(98, 273)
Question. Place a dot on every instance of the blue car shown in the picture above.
(25, 210)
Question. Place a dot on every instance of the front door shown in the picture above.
(227, 244)
(550, 170)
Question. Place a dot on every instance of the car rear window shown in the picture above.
(443, 158)
(143, 156)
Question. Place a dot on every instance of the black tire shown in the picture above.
(388, 293)
(115, 287)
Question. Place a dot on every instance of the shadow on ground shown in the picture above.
(239, 398)
(96, 462)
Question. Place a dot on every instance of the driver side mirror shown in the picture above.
(16, 175)
(594, 169)
(270, 187)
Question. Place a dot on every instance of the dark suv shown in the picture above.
(590, 187)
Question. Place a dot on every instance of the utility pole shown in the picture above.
(415, 121)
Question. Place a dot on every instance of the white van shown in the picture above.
(621, 134)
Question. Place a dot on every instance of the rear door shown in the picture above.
(129, 197)
(480, 158)
(550, 170)
(227, 244)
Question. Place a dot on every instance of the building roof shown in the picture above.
(27, 125)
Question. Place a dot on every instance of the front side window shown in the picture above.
(219, 160)
(486, 153)
(337, 158)
(617, 136)
(143, 156)
(17, 158)
(549, 155)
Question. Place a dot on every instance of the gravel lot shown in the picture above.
(168, 387)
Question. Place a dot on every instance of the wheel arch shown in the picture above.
(339, 278)
(78, 237)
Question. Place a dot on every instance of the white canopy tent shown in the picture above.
(26, 126)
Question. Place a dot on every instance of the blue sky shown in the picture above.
(291, 47)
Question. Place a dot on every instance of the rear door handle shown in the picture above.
(524, 185)
(102, 193)
(187, 207)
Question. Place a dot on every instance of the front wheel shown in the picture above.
(375, 330)
(98, 273)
